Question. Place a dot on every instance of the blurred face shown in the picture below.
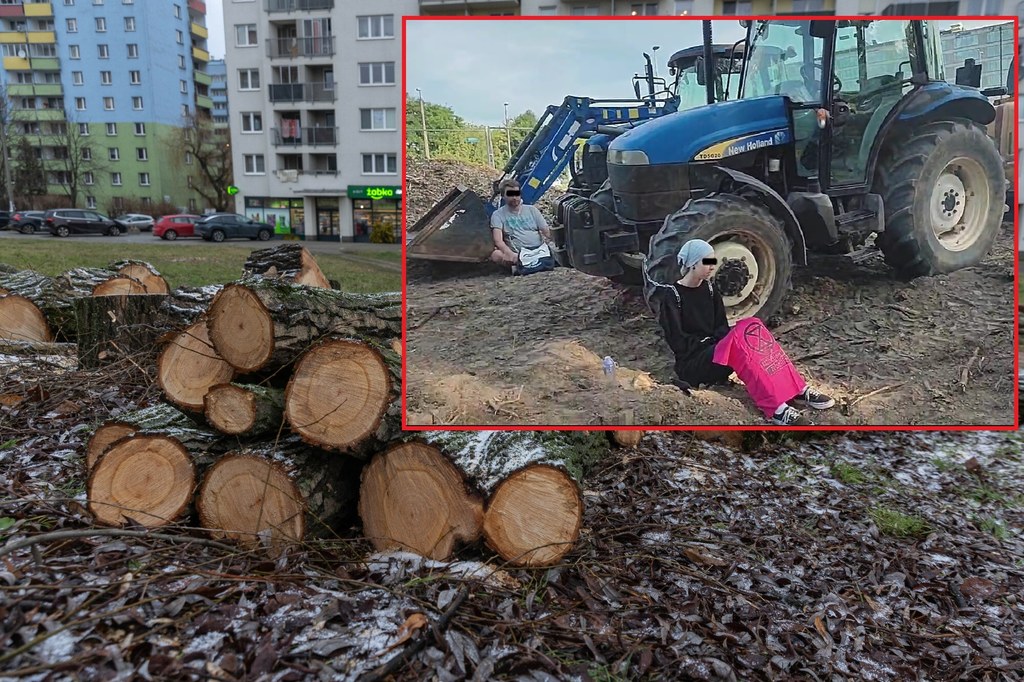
(705, 269)
(513, 197)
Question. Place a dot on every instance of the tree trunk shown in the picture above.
(289, 263)
(22, 320)
(257, 323)
(55, 296)
(188, 366)
(119, 285)
(242, 410)
(413, 498)
(534, 506)
(145, 273)
(627, 438)
(147, 479)
(114, 327)
(185, 305)
(344, 395)
(279, 492)
(162, 418)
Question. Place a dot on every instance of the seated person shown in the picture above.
(516, 226)
(708, 350)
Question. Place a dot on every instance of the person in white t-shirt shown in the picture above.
(516, 225)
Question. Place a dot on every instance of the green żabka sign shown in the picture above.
(373, 192)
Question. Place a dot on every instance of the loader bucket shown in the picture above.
(457, 228)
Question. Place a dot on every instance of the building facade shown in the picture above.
(116, 76)
(217, 70)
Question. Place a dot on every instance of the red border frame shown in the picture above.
(710, 427)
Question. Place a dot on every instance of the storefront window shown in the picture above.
(328, 225)
(376, 220)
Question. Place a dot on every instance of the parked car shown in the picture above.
(221, 226)
(139, 220)
(170, 227)
(28, 222)
(64, 221)
(5, 219)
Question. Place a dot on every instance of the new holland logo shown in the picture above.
(741, 145)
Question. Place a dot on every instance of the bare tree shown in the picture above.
(28, 175)
(76, 156)
(209, 149)
(6, 128)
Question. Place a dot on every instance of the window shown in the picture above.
(80, 104)
(252, 122)
(188, 181)
(180, 37)
(83, 129)
(73, 52)
(104, 51)
(585, 10)
(115, 179)
(188, 158)
(140, 128)
(184, 111)
(248, 79)
(181, 61)
(135, 77)
(133, 51)
(87, 154)
(111, 129)
(127, 2)
(377, 119)
(643, 8)
(253, 164)
(376, 73)
(88, 178)
(90, 200)
(108, 103)
(101, 25)
(377, 26)
(807, 6)
(740, 7)
(69, 3)
(683, 7)
(77, 78)
(106, 78)
(137, 103)
(380, 164)
(114, 153)
(141, 154)
(177, 11)
(547, 9)
(72, 25)
(245, 35)
(144, 179)
(192, 205)
(97, 2)
(183, 86)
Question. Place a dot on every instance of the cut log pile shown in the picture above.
(283, 420)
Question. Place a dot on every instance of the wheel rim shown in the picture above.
(959, 204)
(62, 231)
(218, 236)
(171, 235)
(746, 272)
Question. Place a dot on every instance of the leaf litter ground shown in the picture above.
(876, 556)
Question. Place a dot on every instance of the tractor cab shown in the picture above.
(689, 74)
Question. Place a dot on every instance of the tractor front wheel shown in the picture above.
(755, 260)
(944, 190)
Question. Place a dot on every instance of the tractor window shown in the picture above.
(783, 59)
(933, 53)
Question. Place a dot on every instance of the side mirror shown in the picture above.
(636, 89)
(822, 29)
(969, 74)
(699, 66)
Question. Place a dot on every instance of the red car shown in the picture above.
(170, 227)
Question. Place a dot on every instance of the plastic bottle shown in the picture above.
(609, 370)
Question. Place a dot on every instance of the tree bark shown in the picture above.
(244, 410)
(258, 323)
(55, 296)
(278, 492)
(534, 507)
(344, 396)
(145, 273)
(185, 305)
(188, 366)
(413, 498)
(289, 263)
(147, 479)
(113, 327)
(22, 320)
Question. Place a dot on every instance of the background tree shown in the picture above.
(209, 148)
(75, 156)
(7, 184)
(27, 173)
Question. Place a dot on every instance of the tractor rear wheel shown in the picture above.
(944, 189)
(755, 260)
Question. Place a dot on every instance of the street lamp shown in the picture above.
(508, 132)
(655, 51)
(423, 120)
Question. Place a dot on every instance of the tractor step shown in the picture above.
(854, 217)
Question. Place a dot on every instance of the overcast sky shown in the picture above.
(474, 67)
(215, 23)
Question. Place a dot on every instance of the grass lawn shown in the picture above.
(192, 265)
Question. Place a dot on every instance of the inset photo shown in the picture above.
(773, 222)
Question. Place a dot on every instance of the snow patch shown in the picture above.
(208, 642)
(57, 648)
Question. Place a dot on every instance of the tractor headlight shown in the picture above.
(628, 157)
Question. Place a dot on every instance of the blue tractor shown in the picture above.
(842, 129)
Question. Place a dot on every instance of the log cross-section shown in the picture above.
(21, 320)
(188, 366)
(241, 410)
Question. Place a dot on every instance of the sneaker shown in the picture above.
(790, 416)
(812, 398)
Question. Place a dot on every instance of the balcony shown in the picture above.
(37, 115)
(202, 78)
(197, 6)
(35, 90)
(469, 6)
(198, 30)
(204, 102)
(28, 64)
(297, 5)
(303, 92)
(38, 9)
(200, 54)
(300, 47)
(313, 137)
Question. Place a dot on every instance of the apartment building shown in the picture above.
(119, 73)
(718, 7)
(217, 70)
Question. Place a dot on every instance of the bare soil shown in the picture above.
(486, 348)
